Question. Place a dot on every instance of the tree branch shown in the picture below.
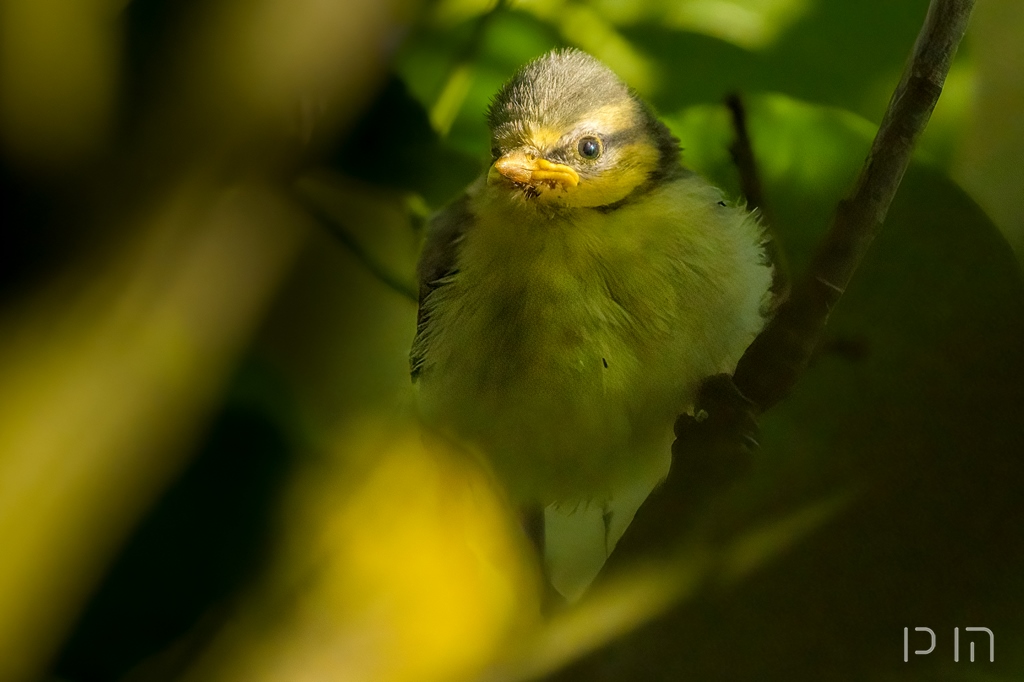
(710, 450)
(750, 183)
(773, 363)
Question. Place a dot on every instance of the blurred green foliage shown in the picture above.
(912, 407)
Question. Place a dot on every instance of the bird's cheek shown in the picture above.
(605, 188)
(616, 178)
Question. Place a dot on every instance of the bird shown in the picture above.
(573, 298)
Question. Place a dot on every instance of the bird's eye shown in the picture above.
(589, 147)
(495, 151)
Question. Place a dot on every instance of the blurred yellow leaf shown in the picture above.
(105, 379)
(415, 569)
(59, 72)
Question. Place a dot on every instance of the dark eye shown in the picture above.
(495, 151)
(589, 147)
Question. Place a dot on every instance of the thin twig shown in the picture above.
(359, 252)
(743, 155)
(775, 360)
(750, 183)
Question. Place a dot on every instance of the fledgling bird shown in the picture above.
(573, 299)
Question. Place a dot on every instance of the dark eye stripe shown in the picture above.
(622, 137)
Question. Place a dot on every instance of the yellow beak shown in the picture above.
(527, 169)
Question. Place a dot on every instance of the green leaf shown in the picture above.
(394, 146)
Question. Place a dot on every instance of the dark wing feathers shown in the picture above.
(437, 261)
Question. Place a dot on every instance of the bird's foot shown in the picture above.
(714, 445)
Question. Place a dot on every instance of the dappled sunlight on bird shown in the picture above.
(573, 299)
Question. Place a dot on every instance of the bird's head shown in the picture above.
(566, 132)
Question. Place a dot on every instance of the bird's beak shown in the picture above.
(532, 171)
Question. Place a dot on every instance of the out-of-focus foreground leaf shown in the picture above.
(411, 569)
(103, 386)
(110, 369)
